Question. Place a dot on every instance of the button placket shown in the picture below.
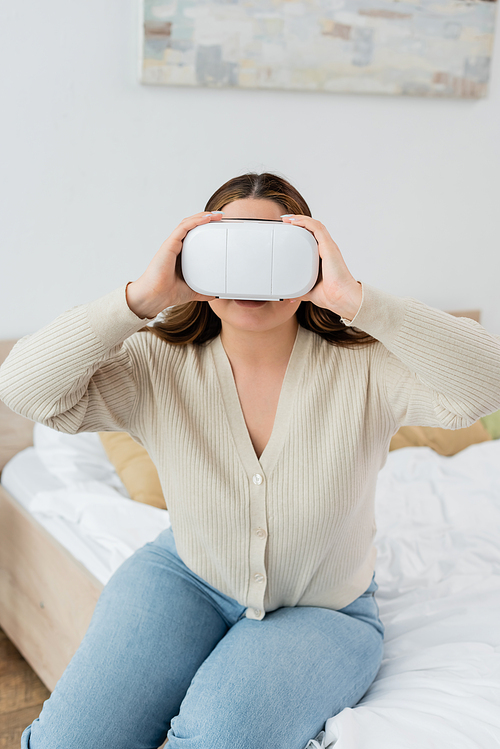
(258, 539)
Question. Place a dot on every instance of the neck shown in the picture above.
(257, 350)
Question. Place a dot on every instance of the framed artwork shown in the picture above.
(407, 47)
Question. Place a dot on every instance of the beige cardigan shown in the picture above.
(294, 528)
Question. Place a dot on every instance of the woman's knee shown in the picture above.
(240, 725)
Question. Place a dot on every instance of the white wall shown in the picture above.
(97, 169)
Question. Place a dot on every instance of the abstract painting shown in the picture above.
(406, 47)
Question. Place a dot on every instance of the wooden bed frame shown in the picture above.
(47, 597)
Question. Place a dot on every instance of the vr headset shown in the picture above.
(254, 259)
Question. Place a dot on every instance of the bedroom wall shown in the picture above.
(97, 169)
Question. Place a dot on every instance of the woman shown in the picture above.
(268, 423)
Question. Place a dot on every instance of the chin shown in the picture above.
(253, 316)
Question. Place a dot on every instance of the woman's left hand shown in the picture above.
(336, 289)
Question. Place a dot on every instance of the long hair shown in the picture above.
(195, 322)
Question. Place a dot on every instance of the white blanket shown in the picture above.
(439, 575)
(109, 526)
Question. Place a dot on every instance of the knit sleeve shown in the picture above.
(438, 370)
(77, 374)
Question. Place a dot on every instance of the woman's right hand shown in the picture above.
(161, 285)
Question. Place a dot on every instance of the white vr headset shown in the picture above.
(255, 259)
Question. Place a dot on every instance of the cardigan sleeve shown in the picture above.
(438, 370)
(76, 374)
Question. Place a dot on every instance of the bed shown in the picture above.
(438, 571)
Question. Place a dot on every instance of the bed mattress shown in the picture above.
(438, 570)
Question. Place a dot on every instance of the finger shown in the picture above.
(309, 223)
(314, 226)
(319, 231)
(296, 216)
(192, 221)
(200, 218)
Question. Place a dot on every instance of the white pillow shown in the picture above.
(75, 458)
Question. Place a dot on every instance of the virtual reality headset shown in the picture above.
(255, 259)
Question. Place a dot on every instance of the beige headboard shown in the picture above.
(16, 433)
(474, 314)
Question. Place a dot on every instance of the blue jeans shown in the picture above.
(167, 652)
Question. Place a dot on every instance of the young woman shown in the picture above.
(268, 423)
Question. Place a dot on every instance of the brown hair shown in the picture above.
(195, 322)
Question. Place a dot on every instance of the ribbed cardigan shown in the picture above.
(295, 527)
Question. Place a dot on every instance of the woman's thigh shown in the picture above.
(274, 683)
(151, 630)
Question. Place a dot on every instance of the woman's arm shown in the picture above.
(75, 374)
(80, 373)
(439, 370)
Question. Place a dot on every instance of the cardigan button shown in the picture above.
(257, 479)
(258, 577)
(260, 532)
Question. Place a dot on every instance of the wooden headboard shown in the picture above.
(474, 314)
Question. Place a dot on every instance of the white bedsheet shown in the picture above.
(438, 570)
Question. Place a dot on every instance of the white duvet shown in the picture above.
(438, 569)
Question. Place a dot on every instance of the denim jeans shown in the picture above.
(167, 652)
